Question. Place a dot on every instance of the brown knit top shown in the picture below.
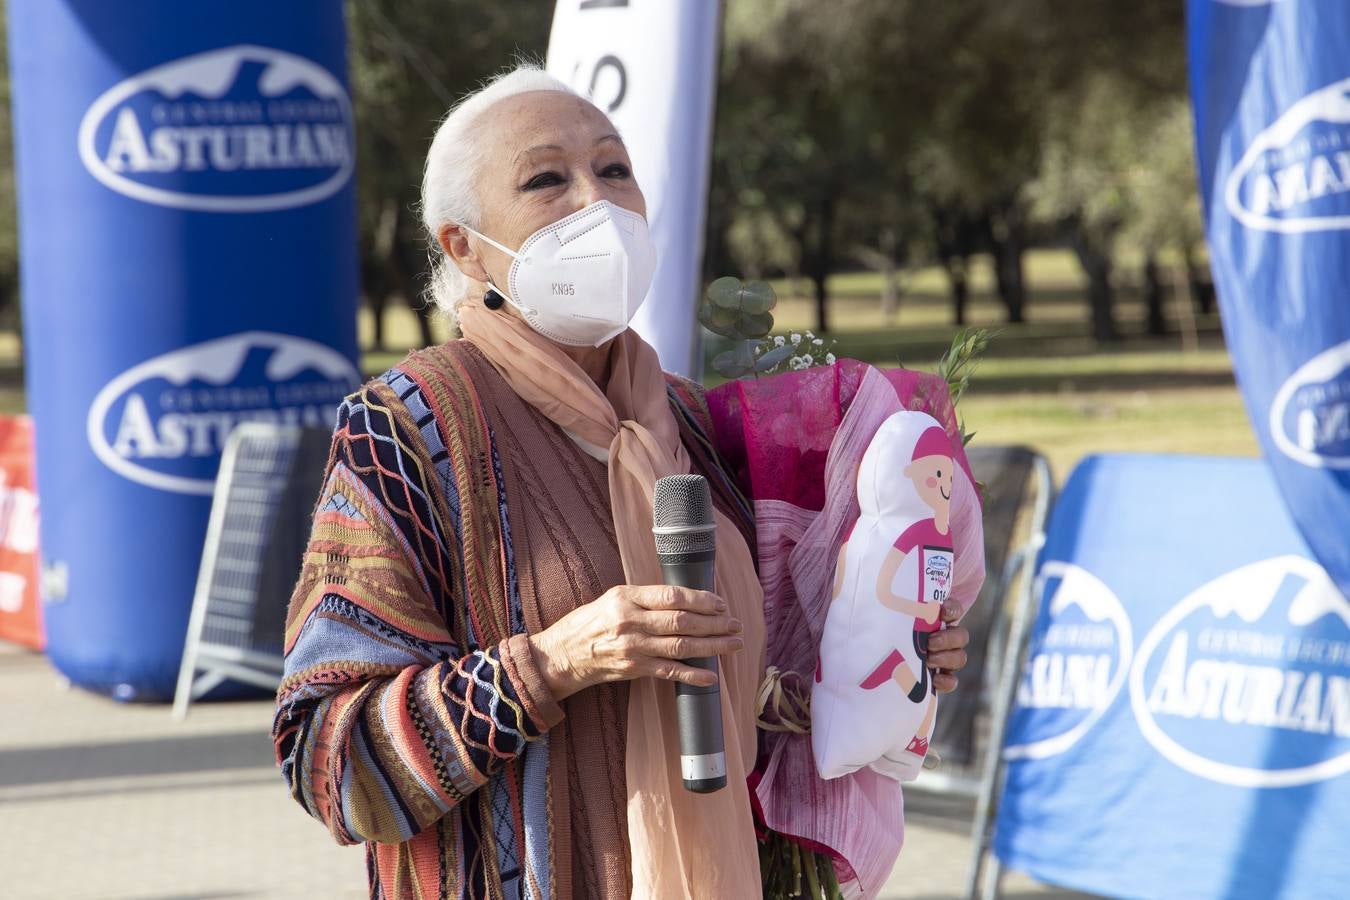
(562, 532)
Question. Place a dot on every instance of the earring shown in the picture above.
(493, 300)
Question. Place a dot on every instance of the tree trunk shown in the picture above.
(1008, 241)
(374, 293)
(822, 302)
(1096, 264)
(822, 260)
(956, 234)
(890, 288)
(1153, 297)
(1102, 299)
(1011, 287)
(956, 268)
(409, 253)
(1201, 287)
(378, 302)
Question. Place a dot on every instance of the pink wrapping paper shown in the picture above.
(795, 441)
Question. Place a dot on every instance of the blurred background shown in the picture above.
(915, 167)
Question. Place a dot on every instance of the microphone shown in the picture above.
(686, 535)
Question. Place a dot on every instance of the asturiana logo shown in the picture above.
(1295, 176)
(239, 129)
(1310, 415)
(1076, 666)
(1246, 681)
(163, 423)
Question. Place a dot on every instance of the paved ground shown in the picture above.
(101, 800)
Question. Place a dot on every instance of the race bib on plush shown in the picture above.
(937, 574)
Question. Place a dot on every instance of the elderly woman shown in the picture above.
(479, 650)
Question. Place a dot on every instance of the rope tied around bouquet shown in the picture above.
(784, 703)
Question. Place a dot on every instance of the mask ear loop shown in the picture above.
(495, 296)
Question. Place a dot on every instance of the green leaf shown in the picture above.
(755, 325)
(757, 297)
(772, 358)
(719, 321)
(738, 361)
(725, 292)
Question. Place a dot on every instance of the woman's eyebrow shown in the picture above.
(558, 149)
(536, 149)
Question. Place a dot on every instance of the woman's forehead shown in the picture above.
(542, 119)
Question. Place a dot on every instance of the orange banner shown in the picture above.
(20, 606)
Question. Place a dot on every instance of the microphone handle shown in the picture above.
(703, 759)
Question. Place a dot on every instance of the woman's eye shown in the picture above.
(543, 180)
(617, 170)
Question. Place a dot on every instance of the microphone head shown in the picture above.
(682, 516)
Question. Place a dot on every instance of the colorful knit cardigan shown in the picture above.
(411, 715)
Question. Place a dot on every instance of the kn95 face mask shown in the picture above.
(580, 280)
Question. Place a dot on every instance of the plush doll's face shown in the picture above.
(932, 477)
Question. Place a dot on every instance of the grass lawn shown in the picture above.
(1045, 383)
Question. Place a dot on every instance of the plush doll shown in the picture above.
(873, 702)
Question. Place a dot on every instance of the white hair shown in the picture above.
(456, 159)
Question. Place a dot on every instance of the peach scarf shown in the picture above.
(684, 845)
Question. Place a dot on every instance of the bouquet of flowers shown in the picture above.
(793, 424)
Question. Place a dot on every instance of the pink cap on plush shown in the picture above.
(933, 442)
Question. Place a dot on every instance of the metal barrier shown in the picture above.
(1016, 493)
(1010, 653)
(260, 518)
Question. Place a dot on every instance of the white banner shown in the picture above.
(652, 65)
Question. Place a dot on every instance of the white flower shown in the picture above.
(818, 342)
(801, 362)
(795, 338)
(778, 340)
(829, 359)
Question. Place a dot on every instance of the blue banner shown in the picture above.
(1182, 726)
(1270, 82)
(188, 248)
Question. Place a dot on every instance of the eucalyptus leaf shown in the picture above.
(725, 318)
(725, 292)
(755, 325)
(757, 297)
(773, 358)
(730, 364)
(719, 321)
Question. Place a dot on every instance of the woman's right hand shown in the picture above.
(634, 631)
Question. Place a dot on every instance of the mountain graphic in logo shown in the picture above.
(1076, 665)
(1295, 176)
(1310, 414)
(1246, 681)
(163, 423)
(239, 129)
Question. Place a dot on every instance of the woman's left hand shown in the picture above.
(947, 649)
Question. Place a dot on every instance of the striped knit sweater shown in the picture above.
(412, 716)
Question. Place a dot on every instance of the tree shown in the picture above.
(410, 61)
(1166, 204)
(9, 232)
(1114, 75)
(789, 155)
